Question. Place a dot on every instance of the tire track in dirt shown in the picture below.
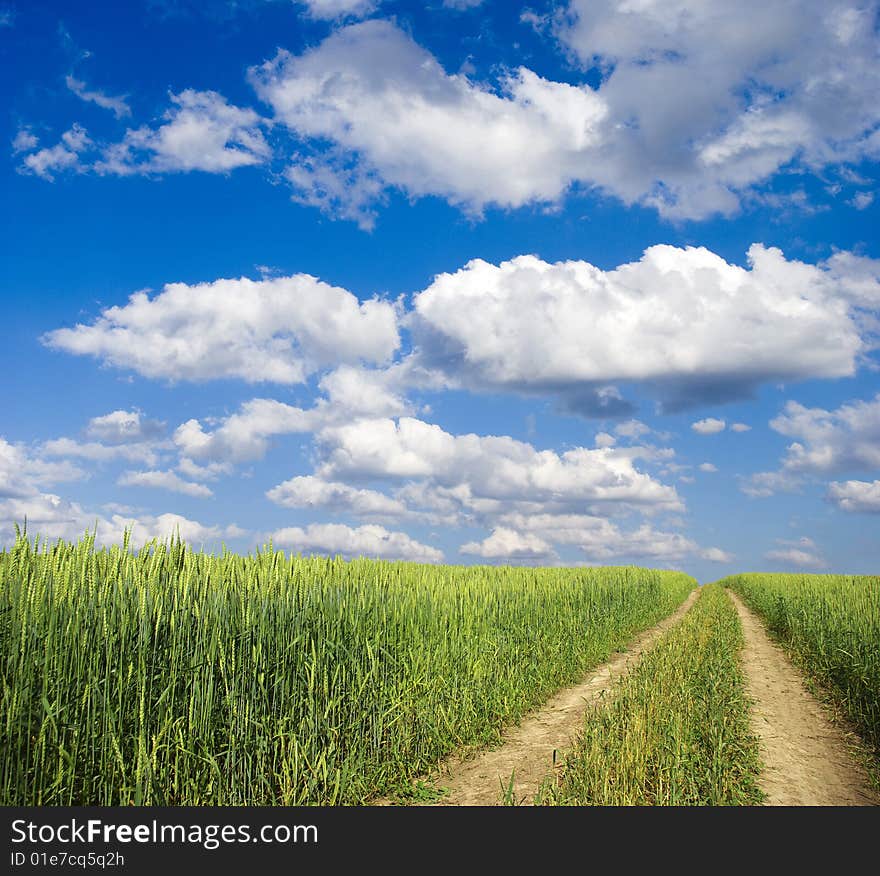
(806, 758)
(527, 749)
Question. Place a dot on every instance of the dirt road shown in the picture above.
(526, 752)
(807, 759)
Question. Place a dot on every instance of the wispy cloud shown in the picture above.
(369, 540)
(328, 10)
(117, 105)
(164, 480)
(63, 156)
(801, 553)
(24, 141)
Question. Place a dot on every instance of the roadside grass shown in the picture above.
(675, 731)
(830, 626)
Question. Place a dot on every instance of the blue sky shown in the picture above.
(576, 282)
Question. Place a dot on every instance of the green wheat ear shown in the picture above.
(507, 791)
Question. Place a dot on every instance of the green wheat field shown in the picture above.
(167, 676)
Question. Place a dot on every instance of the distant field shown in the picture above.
(166, 676)
(832, 625)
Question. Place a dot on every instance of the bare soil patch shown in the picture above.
(807, 758)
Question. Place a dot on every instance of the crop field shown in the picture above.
(831, 623)
(169, 677)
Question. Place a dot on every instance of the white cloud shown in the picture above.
(587, 531)
(597, 537)
(116, 105)
(495, 468)
(439, 478)
(443, 506)
(208, 472)
(688, 324)
(76, 139)
(201, 132)
(538, 23)
(358, 392)
(64, 155)
(709, 98)
(243, 436)
(165, 525)
(856, 497)
(44, 514)
(507, 544)
(333, 9)
(311, 492)
(280, 329)
(351, 394)
(859, 280)
(646, 543)
(21, 472)
(370, 541)
(697, 106)
(632, 429)
(802, 553)
(119, 508)
(567, 329)
(767, 483)
(707, 467)
(119, 435)
(694, 109)
(377, 95)
(124, 427)
(709, 426)
(846, 439)
(163, 480)
(740, 427)
(862, 200)
(97, 452)
(53, 517)
(803, 542)
(24, 141)
(339, 188)
(50, 517)
(603, 439)
(795, 557)
(716, 555)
